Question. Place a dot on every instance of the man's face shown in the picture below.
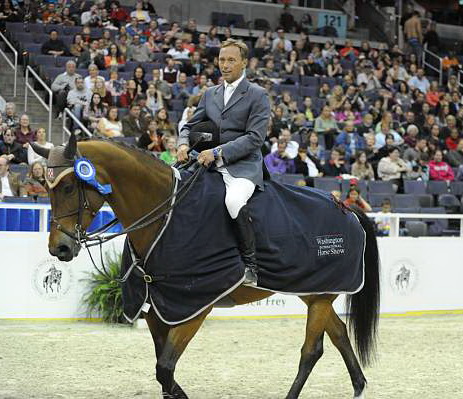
(202, 80)
(79, 84)
(156, 74)
(178, 45)
(136, 39)
(349, 127)
(182, 78)
(285, 135)
(135, 111)
(94, 45)
(71, 68)
(368, 120)
(54, 35)
(231, 64)
(8, 137)
(281, 148)
(421, 144)
(420, 73)
(192, 25)
(410, 117)
(281, 33)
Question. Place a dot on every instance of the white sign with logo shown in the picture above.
(416, 274)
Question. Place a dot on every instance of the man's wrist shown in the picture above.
(217, 151)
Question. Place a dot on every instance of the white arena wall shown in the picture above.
(434, 267)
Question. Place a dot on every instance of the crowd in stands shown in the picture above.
(337, 111)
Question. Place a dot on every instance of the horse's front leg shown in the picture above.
(170, 342)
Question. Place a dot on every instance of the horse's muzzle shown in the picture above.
(65, 251)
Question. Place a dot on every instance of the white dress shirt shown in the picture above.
(229, 88)
(6, 189)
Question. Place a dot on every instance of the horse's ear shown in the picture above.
(42, 151)
(71, 148)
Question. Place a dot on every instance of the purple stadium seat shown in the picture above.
(290, 79)
(327, 184)
(310, 81)
(177, 105)
(437, 187)
(50, 72)
(380, 187)
(375, 199)
(48, 28)
(449, 202)
(159, 57)
(456, 188)
(309, 91)
(436, 227)
(32, 48)
(327, 79)
(406, 201)
(126, 75)
(292, 89)
(425, 200)
(61, 60)
(414, 187)
(72, 30)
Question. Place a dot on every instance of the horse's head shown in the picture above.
(73, 202)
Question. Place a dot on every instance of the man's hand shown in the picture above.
(182, 153)
(206, 157)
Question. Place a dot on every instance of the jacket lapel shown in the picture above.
(237, 95)
(218, 96)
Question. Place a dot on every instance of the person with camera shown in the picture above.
(63, 84)
(279, 161)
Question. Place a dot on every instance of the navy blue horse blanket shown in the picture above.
(305, 243)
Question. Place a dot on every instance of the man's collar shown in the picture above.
(235, 83)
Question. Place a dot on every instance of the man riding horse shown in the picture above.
(241, 110)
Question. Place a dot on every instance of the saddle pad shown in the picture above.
(305, 244)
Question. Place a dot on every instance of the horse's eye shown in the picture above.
(68, 188)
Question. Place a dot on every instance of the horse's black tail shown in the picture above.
(363, 307)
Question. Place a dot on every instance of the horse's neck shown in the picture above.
(138, 185)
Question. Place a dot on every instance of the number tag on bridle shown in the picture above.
(86, 172)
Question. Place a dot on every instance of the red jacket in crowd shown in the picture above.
(440, 171)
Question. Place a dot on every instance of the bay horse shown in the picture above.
(141, 182)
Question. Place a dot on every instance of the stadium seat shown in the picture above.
(327, 184)
(380, 187)
(449, 202)
(456, 188)
(159, 57)
(310, 81)
(177, 105)
(376, 199)
(293, 179)
(436, 227)
(425, 200)
(22, 170)
(290, 79)
(327, 79)
(416, 228)
(414, 187)
(261, 24)
(406, 210)
(437, 187)
(309, 91)
(405, 201)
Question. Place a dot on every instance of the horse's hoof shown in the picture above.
(362, 394)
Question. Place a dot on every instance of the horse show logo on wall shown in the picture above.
(403, 277)
(52, 279)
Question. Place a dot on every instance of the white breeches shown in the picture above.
(237, 192)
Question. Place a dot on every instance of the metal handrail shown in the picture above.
(427, 64)
(67, 112)
(49, 106)
(459, 79)
(15, 65)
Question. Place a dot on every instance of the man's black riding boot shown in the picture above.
(246, 245)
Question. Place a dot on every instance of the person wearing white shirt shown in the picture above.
(178, 53)
(281, 38)
(292, 146)
(10, 184)
(41, 137)
(419, 81)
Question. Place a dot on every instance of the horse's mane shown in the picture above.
(148, 156)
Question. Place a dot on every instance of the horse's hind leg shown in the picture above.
(337, 332)
(312, 350)
(159, 331)
(177, 340)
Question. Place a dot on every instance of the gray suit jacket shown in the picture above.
(243, 127)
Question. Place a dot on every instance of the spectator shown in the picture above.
(12, 151)
(419, 81)
(350, 141)
(263, 43)
(138, 51)
(384, 130)
(147, 6)
(287, 21)
(41, 136)
(92, 56)
(335, 166)
(367, 77)
(3, 125)
(10, 118)
(309, 112)
(455, 105)
(418, 155)
(329, 50)
(348, 51)
(170, 72)
(201, 87)
(179, 53)
(413, 34)
(334, 68)
(34, 183)
(336, 194)
(212, 40)
(110, 126)
(431, 38)
(51, 15)
(451, 142)
(115, 88)
(93, 76)
(118, 15)
(132, 124)
(63, 84)
(292, 146)
(191, 28)
(154, 99)
(151, 140)
(181, 89)
(161, 85)
(139, 79)
(279, 162)
(326, 125)
(305, 164)
(54, 46)
(310, 67)
(164, 126)
(169, 156)
(449, 123)
(10, 183)
(24, 133)
(398, 74)
(440, 170)
(354, 198)
(366, 127)
(432, 96)
(141, 15)
(128, 97)
(455, 157)
(392, 168)
(314, 149)
(78, 98)
(287, 45)
(383, 219)
(92, 17)
(411, 136)
(94, 112)
(361, 168)
(114, 59)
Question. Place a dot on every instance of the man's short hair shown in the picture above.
(133, 105)
(244, 51)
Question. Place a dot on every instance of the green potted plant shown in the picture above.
(104, 296)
